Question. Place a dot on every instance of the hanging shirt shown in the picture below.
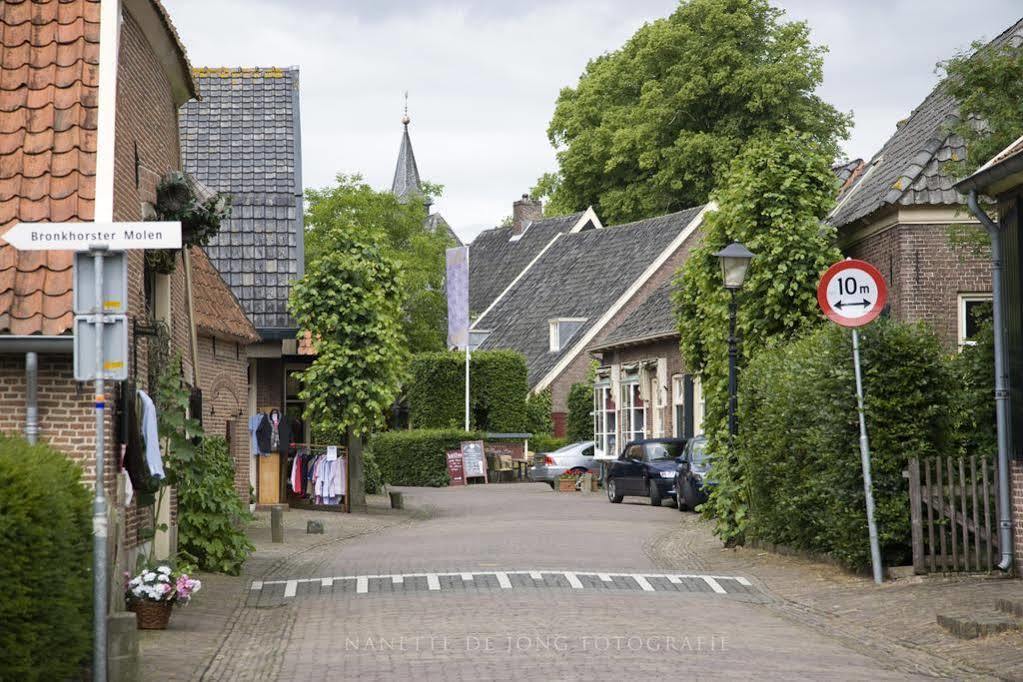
(254, 422)
(151, 436)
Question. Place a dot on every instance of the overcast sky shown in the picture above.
(483, 75)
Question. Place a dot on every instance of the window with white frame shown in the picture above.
(698, 406)
(604, 419)
(975, 310)
(562, 330)
(678, 405)
(633, 409)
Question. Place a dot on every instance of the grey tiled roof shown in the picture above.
(435, 222)
(242, 138)
(580, 276)
(908, 170)
(406, 174)
(653, 318)
(495, 259)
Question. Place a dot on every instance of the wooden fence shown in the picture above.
(952, 508)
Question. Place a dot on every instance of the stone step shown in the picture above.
(970, 625)
(1014, 607)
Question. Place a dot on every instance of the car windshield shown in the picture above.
(658, 452)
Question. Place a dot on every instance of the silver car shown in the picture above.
(575, 458)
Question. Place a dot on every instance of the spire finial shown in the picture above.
(405, 120)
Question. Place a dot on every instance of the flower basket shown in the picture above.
(152, 615)
(566, 483)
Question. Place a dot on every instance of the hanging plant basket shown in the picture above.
(152, 615)
(200, 211)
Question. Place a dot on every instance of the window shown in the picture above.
(698, 407)
(974, 311)
(633, 410)
(604, 419)
(678, 406)
(562, 330)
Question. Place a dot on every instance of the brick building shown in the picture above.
(70, 156)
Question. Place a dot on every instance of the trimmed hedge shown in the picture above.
(580, 412)
(498, 389)
(539, 421)
(799, 437)
(417, 457)
(45, 564)
(546, 443)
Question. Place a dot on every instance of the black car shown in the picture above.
(646, 468)
(691, 482)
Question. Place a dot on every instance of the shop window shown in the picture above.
(975, 310)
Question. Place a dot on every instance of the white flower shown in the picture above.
(164, 569)
(135, 581)
(150, 576)
(164, 579)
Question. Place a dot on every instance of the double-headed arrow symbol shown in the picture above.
(842, 304)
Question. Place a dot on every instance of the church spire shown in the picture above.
(406, 175)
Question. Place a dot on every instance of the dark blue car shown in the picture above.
(691, 484)
(645, 468)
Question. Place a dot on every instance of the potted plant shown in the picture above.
(154, 591)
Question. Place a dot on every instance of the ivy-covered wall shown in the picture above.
(498, 389)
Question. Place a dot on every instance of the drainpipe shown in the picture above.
(1001, 385)
(31, 397)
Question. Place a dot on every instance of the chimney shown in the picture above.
(525, 211)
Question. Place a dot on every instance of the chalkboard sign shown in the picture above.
(473, 461)
(455, 469)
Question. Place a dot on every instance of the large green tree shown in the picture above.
(773, 200)
(653, 126)
(352, 208)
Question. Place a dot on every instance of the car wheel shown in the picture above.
(655, 494)
(689, 495)
(551, 484)
(612, 492)
(680, 499)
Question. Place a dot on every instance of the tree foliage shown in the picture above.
(653, 126)
(350, 300)
(417, 457)
(987, 84)
(351, 209)
(773, 200)
(580, 411)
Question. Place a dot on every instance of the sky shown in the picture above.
(483, 76)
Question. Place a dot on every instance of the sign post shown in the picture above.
(95, 310)
(852, 293)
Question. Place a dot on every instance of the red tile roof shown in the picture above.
(217, 311)
(48, 110)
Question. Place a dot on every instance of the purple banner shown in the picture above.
(458, 297)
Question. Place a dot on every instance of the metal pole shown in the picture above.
(99, 504)
(32, 397)
(733, 399)
(468, 337)
(868, 487)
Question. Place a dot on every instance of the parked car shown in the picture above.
(577, 458)
(646, 468)
(691, 484)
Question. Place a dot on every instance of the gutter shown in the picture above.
(36, 344)
(1001, 385)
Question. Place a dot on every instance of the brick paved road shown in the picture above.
(337, 622)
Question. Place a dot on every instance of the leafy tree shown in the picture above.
(580, 411)
(350, 300)
(986, 82)
(773, 200)
(538, 413)
(653, 126)
(403, 237)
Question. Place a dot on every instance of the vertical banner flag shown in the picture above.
(458, 297)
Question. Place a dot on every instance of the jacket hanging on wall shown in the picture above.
(273, 434)
(139, 472)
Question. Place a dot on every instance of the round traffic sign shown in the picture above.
(852, 293)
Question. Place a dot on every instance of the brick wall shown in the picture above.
(925, 275)
(269, 384)
(223, 377)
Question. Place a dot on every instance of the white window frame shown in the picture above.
(699, 406)
(605, 432)
(554, 331)
(629, 410)
(678, 399)
(961, 314)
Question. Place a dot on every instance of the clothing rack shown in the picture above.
(342, 453)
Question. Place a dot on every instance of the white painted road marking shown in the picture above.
(290, 588)
(432, 582)
(535, 575)
(362, 584)
(643, 583)
(502, 580)
(713, 584)
(466, 577)
(573, 581)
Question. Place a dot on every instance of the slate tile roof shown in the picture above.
(217, 311)
(243, 139)
(48, 111)
(581, 275)
(908, 168)
(436, 222)
(654, 318)
(495, 259)
(406, 183)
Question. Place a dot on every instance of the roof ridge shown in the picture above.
(637, 223)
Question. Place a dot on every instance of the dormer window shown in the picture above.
(562, 330)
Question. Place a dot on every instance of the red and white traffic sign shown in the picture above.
(852, 293)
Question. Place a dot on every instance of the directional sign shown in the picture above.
(80, 236)
(852, 293)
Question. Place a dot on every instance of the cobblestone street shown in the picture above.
(519, 582)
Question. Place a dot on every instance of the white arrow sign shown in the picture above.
(80, 236)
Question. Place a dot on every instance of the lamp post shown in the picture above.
(734, 260)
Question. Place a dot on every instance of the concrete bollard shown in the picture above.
(122, 647)
(314, 527)
(277, 524)
(397, 502)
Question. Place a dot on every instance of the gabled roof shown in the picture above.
(435, 222)
(583, 275)
(908, 170)
(243, 139)
(653, 319)
(406, 182)
(497, 257)
(1002, 172)
(217, 311)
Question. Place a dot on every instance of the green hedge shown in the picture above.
(580, 412)
(498, 389)
(799, 437)
(417, 457)
(546, 443)
(45, 564)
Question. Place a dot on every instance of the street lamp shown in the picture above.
(734, 259)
